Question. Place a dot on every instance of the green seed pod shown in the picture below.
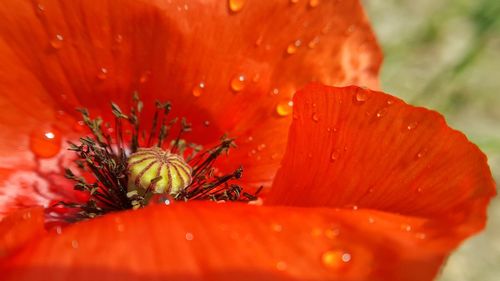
(158, 171)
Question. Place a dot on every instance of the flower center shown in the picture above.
(144, 167)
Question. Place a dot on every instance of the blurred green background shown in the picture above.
(445, 55)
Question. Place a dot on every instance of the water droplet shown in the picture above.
(281, 265)
(145, 77)
(189, 236)
(206, 123)
(419, 190)
(420, 154)
(58, 230)
(74, 244)
(27, 216)
(313, 43)
(335, 259)
(40, 9)
(292, 47)
(45, 143)
(316, 232)
(314, 3)
(371, 220)
(167, 202)
(276, 227)
(198, 89)
(326, 28)
(102, 74)
(334, 156)
(412, 126)
(261, 147)
(351, 29)
(284, 108)
(315, 117)
(236, 5)
(406, 227)
(420, 235)
(360, 97)
(256, 78)
(238, 83)
(120, 228)
(390, 101)
(274, 92)
(118, 38)
(57, 41)
(332, 233)
(381, 113)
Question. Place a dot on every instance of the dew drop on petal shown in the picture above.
(420, 235)
(412, 126)
(74, 244)
(360, 97)
(314, 3)
(334, 156)
(27, 216)
(316, 232)
(420, 154)
(406, 227)
(236, 5)
(57, 41)
(145, 77)
(294, 1)
(381, 113)
(189, 236)
(313, 43)
(274, 92)
(118, 38)
(284, 108)
(58, 230)
(332, 233)
(40, 9)
(198, 89)
(281, 265)
(335, 259)
(120, 228)
(102, 73)
(238, 83)
(256, 78)
(45, 143)
(315, 117)
(276, 227)
(293, 47)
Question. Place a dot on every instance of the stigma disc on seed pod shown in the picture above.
(158, 171)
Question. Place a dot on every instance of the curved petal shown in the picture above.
(20, 227)
(357, 148)
(209, 241)
(58, 56)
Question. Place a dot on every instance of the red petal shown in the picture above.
(356, 148)
(208, 241)
(20, 227)
(53, 56)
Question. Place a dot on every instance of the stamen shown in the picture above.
(128, 175)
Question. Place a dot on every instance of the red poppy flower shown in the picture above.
(369, 188)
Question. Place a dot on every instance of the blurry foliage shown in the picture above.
(446, 55)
